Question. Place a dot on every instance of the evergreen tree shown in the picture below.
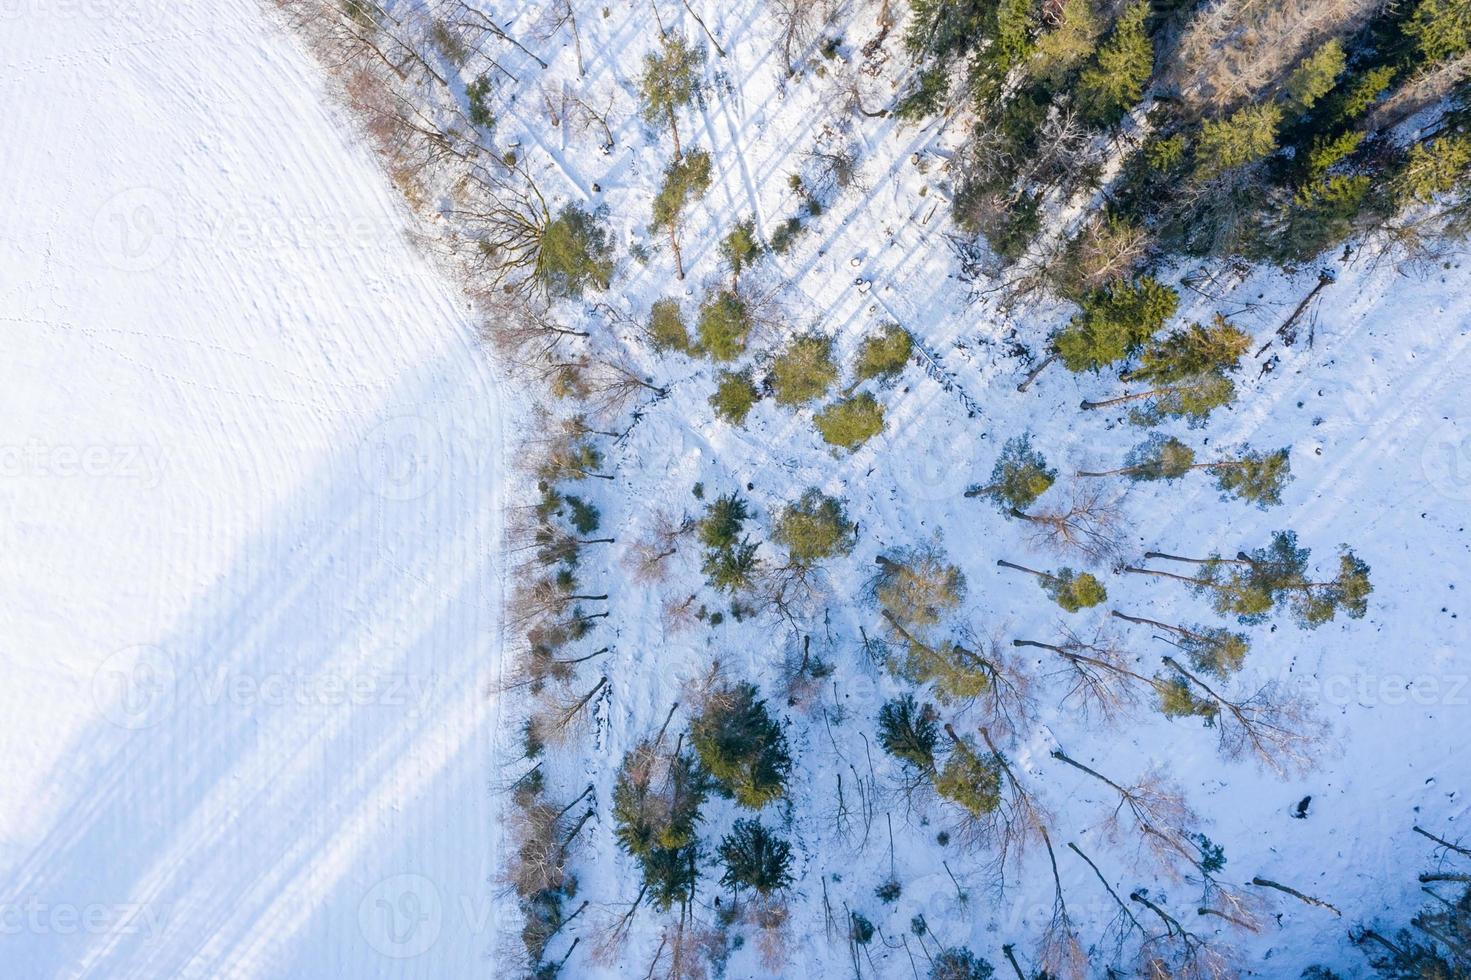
(1440, 28)
(917, 586)
(724, 518)
(741, 249)
(477, 93)
(1189, 351)
(742, 746)
(1214, 649)
(970, 777)
(1315, 76)
(850, 422)
(656, 800)
(959, 963)
(1246, 136)
(755, 859)
(927, 97)
(731, 569)
(670, 875)
(958, 674)
(944, 28)
(804, 371)
(1433, 167)
(908, 731)
(686, 180)
(814, 529)
(885, 354)
(723, 326)
(574, 254)
(1113, 323)
(669, 82)
(1020, 476)
(1115, 80)
(1059, 51)
(667, 329)
(1192, 398)
(1257, 478)
(1178, 700)
(734, 396)
(1074, 590)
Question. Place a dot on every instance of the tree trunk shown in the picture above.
(1159, 574)
(1027, 382)
(1088, 406)
(1030, 571)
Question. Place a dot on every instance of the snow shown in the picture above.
(252, 514)
(253, 476)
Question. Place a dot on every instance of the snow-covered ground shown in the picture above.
(251, 523)
(249, 487)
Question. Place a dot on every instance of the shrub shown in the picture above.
(959, 963)
(723, 326)
(734, 396)
(804, 371)
(741, 248)
(478, 94)
(885, 354)
(851, 422)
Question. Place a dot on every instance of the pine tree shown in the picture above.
(669, 82)
(656, 799)
(804, 371)
(885, 354)
(1257, 478)
(1115, 80)
(724, 518)
(734, 396)
(957, 673)
(970, 777)
(574, 254)
(670, 875)
(943, 28)
(918, 586)
(754, 859)
(1213, 649)
(741, 249)
(1060, 50)
(723, 326)
(667, 329)
(1178, 700)
(731, 569)
(1192, 398)
(1020, 476)
(1192, 350)
(1440, 28)
(814, 529)
(1315, 76)
(1156, 458)
(1071, 590)
(1113, 323)
(850, 422)
(908, 731)
(959, 963)
(742, 746)
(686, 180)
(1245, 136)
(1433, 167)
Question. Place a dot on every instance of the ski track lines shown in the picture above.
(282, 341)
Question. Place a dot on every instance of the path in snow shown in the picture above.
(249, 518)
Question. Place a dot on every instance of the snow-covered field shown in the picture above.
(250, 523)
(251, 482)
